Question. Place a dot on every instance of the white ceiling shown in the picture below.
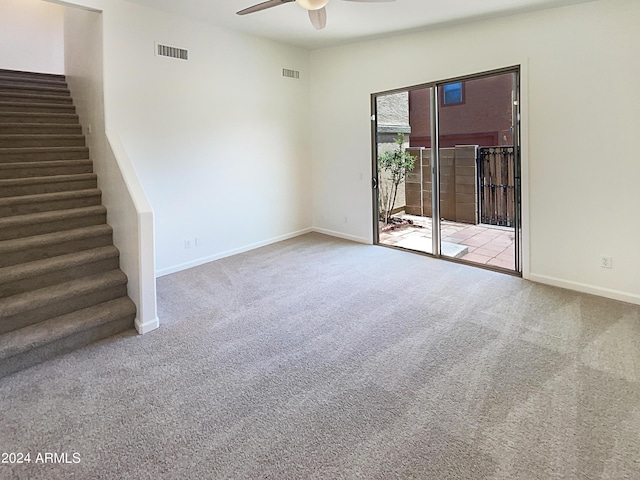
(346, 21)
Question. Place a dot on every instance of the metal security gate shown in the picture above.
(496, 182)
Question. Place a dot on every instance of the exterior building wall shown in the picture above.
(393, 118)
(484, 118)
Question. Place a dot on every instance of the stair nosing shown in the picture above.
(46, 333)
(50, 197)
(54, 238)
(45, 164)
(12, 150)
(35, 96)
(38, 114)
(9, 73)
(54, 105)
(33, 268)
(12, 182)
(39, 81)
(28, 74)
(51, 216)
(41, 125)
(41, 135)
(11, 83)
(45, 266)
(24, 302)
(36, 87)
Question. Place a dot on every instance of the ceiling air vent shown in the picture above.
(171, 52)
(290, 73)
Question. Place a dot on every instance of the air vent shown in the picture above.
(171, 52)
(290, 73)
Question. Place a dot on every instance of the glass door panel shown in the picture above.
(477, 174)
(404, 170)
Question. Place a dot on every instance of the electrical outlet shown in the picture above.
(187, 244)
(606, 262)
(198, 241)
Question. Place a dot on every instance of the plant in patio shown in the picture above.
(396, 163)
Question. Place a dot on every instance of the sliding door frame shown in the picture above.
(516, 70)
(436, 246)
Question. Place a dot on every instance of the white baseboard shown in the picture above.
(148, 326)
(228, 253)
(585, 288)
(332, 233)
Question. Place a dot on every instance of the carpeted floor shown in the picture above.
(318, 358)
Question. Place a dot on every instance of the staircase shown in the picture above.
(60, 283)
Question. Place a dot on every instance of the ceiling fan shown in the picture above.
(316, 8)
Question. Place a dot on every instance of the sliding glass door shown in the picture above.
(446, 163)
(403, 195)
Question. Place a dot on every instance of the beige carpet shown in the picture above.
(318, 358)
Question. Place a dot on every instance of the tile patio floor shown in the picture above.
(483, 244)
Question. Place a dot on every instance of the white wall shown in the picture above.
(31, 36)
(128, 211)
(220, 142)
(580, 153)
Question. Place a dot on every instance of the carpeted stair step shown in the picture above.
(41, 154)
(60, 282)
(19, 311)
(15, 141)
(38, 247)
(35, 98)
(27, 117)
(48, 222)
(31, 75)
(31, 345)
(14, 187)
(47, 202)
(40, 129)
(15, 75)
(32, 80)
(36, 107)
(44, 80)
(34, 89)
(17, 279)
(43, 169)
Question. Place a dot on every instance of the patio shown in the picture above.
(482, 244)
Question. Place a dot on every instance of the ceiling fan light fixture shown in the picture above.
(312, 4)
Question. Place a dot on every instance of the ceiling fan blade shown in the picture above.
(263, 6)
(318, 18)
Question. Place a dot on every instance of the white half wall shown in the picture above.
(128, 211)
(31, 36)
(580, 154)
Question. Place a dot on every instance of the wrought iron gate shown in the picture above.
(496, 182)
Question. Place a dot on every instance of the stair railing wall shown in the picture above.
(129, 211)
(137, 259)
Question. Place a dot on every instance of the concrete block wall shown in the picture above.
(458, 184)
(466, 184)
(416, 182)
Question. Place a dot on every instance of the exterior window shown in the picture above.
(453, 94)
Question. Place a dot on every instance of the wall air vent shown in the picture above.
(286, 72)
(171, 52)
